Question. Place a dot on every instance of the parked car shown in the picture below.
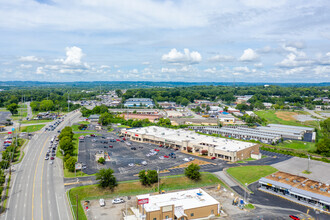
(133, 148)
(117, 201)
(213, 158)
(131, 164)
(294, 217)
(186, 159)
(102, 202)
(110, 146)
(117, 140)
(144, 163)
(156, 150)
(160, 145)
(165, 156)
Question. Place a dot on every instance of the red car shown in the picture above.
(52, 158)
(294, 217)
(93, 135)
(117, 140)
(165, 156)
(110, 146)
(213, 158)
(156, 150)
(160, 145)
(124, 139)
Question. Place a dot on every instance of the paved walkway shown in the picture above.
(225, 178)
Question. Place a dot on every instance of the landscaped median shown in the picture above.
(249, 174)
(178, 182)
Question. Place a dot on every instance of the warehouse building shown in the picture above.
(182, 205)
(229, 150)
(297, 188)
(139, 102)
(265, 134)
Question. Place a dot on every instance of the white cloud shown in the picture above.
(258, 65)
(105, 67)
(116, 66)
(249, 55)
(175, 56)
(328, 54)
(242, 69)
(73, 56)
(221, 58)
(25, 66)
(168, 70)
(31, 59)
(211, 70)
(135, 71)
(146, 63)
(294, 50)
(40, 71)
(293, 61)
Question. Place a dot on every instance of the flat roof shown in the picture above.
(188, 199)
(179, 135)
(300, 185)
(291, 127)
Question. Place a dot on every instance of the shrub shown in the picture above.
(101, 160)
(192, 172)
(189, 149)
(204, 152)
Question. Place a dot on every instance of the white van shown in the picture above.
(102, 202)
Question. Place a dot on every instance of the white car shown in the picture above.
(144, 163)
(102, 202)
(186, 159)
(131, 164)
(117, 201)
(148, 155)
(191, 158)
(161, 157)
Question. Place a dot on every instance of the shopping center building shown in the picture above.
(297, 188)
(226, 149)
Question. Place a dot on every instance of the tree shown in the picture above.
(204, 152)
(66, 145)
(106, 178)
(46, 105)
(148, 177)
(192, 172)
(208, 108)
(66, 132)
(101, 160)
(70, 164)
(119, 93)
(12, 108)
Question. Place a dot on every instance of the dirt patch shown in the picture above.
(286, 116)
(196, 161)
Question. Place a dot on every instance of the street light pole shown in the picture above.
(158, 179)
(308, 162)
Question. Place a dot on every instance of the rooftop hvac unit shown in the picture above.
(329, 191)
(163, 133)
(312, 187)
(287, 179)
(323, 190)
(303, 184)
(327, 184)
(273, 175)
(280, 177)
(294, 181)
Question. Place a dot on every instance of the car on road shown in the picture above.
(51, 162)
(52, 158)
(117, 201)
(102, 202)
(46, 158)
(294, 217)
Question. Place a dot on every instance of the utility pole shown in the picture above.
(308, 162)
(68, 103)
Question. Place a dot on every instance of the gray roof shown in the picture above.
(294, 190)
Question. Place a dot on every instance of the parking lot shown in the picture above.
(124, 160)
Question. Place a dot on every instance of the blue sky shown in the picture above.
(182, 40)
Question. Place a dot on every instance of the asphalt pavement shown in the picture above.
(37, 187)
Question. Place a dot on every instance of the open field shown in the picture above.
(285, 118)
(135, 188)
(297, 145)
(250, 174)
(32, 128)
(35, 121)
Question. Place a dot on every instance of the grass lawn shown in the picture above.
(250, 174)
(32, 128)
(282, 117)
(297, 145)
(35, 121)
(19, 116)
(76, 128)
(84, 122)
(244, 161)
(123, 126)
(3, 110)
(135, 188)
(68, 174)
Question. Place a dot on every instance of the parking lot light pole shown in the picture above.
(158, 179)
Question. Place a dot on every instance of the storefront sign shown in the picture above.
(143, 201)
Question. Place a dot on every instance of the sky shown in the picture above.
(158, 40)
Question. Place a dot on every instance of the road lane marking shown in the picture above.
(34, 180)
